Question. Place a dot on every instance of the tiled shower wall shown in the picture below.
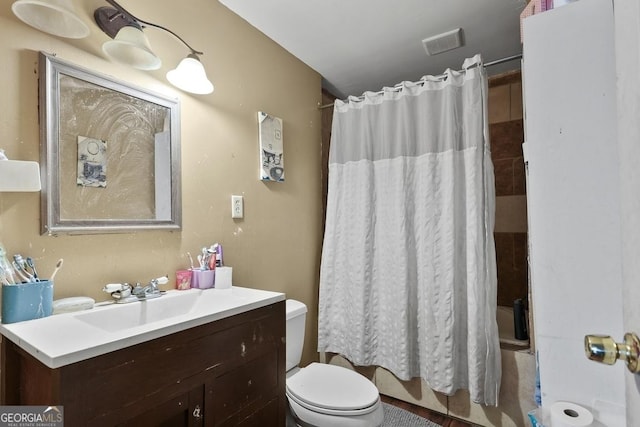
(507, 136)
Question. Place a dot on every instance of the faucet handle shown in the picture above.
(118, 290)
(161, 280)
(113, 287)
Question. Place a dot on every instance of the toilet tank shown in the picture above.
(296, 313)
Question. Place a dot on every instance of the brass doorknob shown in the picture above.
(604, 349)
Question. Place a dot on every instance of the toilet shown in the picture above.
(323, 395)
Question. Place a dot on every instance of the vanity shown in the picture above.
(189, 358)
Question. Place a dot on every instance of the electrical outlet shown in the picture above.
(237, 207)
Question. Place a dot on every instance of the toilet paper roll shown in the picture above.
(567, 414)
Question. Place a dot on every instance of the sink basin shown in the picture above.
(139, 313)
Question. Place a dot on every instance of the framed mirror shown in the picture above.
(110, 153)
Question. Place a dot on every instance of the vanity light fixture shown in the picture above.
(130, 46)
(190, 76)
(55, 17)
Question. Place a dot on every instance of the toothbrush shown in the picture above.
(6, 268)
(4, 263)
(32, 266)
(190, 260)
(205, 258)
(6, 277)
(58, 265)
(21, 273)
(19, 264)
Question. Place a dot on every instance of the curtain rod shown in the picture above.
(488, 64)
(503, 60)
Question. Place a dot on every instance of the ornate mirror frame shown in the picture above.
(110, 153)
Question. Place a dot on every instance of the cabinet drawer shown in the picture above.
(243, 390)
(247, 341)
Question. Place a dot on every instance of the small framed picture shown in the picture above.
(271, 148)
(92, 162)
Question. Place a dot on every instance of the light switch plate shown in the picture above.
(237, 207)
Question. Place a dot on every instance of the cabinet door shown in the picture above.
(264, 416)
(185, 410)
(238, 394)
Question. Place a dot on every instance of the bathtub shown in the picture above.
(504, 316)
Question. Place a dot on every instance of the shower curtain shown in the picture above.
(408, 271)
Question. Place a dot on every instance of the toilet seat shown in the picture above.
(333, 390)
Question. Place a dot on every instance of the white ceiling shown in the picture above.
(361, 45)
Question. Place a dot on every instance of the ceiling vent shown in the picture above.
(443, 42)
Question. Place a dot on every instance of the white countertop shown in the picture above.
(67, 338)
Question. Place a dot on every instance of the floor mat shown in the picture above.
(398, 417)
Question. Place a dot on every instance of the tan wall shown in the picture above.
(275, 247)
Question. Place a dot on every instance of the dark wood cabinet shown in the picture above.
(230, 372)
(184, 410)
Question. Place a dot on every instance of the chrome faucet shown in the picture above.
(151, 290)
(123, 292)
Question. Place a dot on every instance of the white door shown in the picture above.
(574, 201)
(627, 37)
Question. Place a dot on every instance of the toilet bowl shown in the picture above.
(326, 395)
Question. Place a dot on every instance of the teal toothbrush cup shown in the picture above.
(27, 301)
